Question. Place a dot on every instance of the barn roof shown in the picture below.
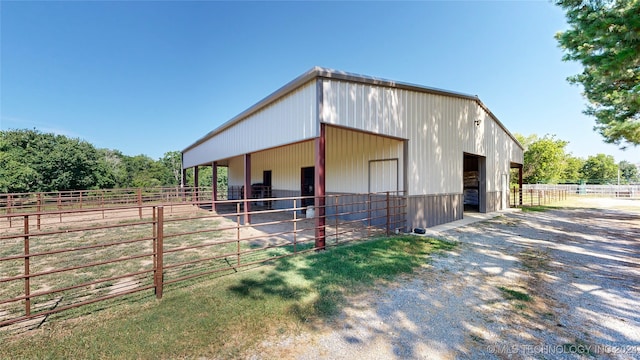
(320, 72)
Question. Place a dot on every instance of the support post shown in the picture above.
(247, 189)
(319, 190)
(520, 184)
(214, 185)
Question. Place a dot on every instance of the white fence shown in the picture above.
(625, 191)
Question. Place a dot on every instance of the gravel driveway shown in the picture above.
(524, 285)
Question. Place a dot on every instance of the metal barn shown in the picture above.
(331, 132)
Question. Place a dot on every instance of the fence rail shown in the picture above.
(18, 203)
(536, 197)
(56, 260)
(626, 191)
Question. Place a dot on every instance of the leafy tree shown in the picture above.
(573, 170)
(600, 169)
(544, 160)
(628, 172)
(33, 161)
(604, 36)
(172, 161)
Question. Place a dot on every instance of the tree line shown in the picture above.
(32, 161)
(547, 162)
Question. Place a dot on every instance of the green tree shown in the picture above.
(573, 170)
(628, 172)
(33, 161)
(172, 161)
(600, 169)
(604, 35)
(544, 160)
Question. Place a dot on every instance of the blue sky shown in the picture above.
(149, 77)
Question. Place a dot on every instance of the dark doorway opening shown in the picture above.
(473, 182)
(307, 184)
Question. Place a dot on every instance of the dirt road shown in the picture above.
(524, 285)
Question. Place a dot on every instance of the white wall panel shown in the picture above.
(348, 156)
(284, 162)
(440, 129)
(288, 120)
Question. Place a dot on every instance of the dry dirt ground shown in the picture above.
(563, 283)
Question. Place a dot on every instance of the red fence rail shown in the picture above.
(72, 258)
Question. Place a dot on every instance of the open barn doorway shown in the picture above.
(474, 176)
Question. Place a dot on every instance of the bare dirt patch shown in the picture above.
(564, 283)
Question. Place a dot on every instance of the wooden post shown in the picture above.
(159, 271)
(27, 287)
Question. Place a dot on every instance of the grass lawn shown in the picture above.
(226, 317)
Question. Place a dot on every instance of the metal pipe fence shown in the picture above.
(57, 260)
(536, 197)
(103, 198)
(623, 191)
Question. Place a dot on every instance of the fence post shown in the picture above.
(159, 273)
(38, 209)
(80, 199)
(295, 224)
(369, 215)
(9, 200)
(60, 205)
(140, 203)
(238, 231)
(388, 213)
(335, 201)
(27, 287)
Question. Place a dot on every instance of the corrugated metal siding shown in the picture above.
(348, 156)
(288, 120)
(440, 128)
(432, 210)
(347, 163)
(284, 162)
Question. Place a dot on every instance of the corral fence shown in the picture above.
(69, 201)
(55, 260)
(623, 191)
(544, 194)
(536, 197)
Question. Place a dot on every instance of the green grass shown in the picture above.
(227, 316)
(511, 294)
(538, 208)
